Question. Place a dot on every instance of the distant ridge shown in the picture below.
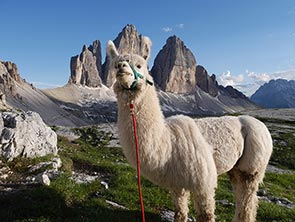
(278, 93)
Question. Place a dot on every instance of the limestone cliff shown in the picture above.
(175, 67)
(86, 67)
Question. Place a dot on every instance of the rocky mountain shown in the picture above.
(9, 78)
(24, 96)
(86, 68)
(175, 67)
(278, 93)
(205, 82)
(188, 88)
(183, 85)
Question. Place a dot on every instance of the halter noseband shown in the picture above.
(136, 76)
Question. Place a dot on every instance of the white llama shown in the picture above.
(184, 154)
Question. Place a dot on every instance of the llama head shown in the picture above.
(131, 69)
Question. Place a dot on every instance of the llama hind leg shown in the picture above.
(181, 199)
(245, 186)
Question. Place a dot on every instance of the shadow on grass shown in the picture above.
(45, 204)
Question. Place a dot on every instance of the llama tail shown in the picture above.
(257, 146)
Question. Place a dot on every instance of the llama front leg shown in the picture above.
(205, 205)
(245, 186)
(181, 199)
(204, 198)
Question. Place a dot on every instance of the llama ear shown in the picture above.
(111, 50)
(146, 47)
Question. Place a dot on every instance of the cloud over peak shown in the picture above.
(167, 29)
(180, 26)
(170, 29)
(227, 79)
(250, 81)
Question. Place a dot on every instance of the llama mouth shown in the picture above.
(121, 74)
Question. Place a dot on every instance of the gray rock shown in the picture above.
(54, 164)
(8, 77)
(281, 201)
(25, 134)
(174, 68)
(1, 123)
(2, 100)
(225, 202)
(83, 178)
(5, 172)
(168, 215)
(116, 205)
(13, 71)
(43, 179)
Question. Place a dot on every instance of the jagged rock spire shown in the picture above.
(86, 68)
(175, 67)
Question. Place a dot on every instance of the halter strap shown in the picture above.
(136, 76)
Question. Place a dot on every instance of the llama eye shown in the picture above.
(138, 66)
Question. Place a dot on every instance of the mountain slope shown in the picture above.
(278, 93)
(21, 95)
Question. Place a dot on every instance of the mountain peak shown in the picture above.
(86, 67)
(279, 93)
(174, 67)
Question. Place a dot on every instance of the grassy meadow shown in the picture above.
(66, 200)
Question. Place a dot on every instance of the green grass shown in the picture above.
(64, 200)
(284, 153)
(283, 135)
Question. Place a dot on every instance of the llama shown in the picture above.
(186, 155)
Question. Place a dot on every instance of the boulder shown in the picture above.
(25, 134)
(174, 68)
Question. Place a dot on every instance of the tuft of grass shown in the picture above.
(271, 212)
(280, 185)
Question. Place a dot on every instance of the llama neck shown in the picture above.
(150, 126)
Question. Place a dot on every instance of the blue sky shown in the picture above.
(245, 43)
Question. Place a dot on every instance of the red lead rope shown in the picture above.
(137, 160)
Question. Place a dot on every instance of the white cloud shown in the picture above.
(167, 29)
(227, 79)
(259, 78)
(250, 81)
(181, 25)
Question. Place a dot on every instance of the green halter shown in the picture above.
(136, 76)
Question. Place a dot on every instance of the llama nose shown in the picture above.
(122, 64)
